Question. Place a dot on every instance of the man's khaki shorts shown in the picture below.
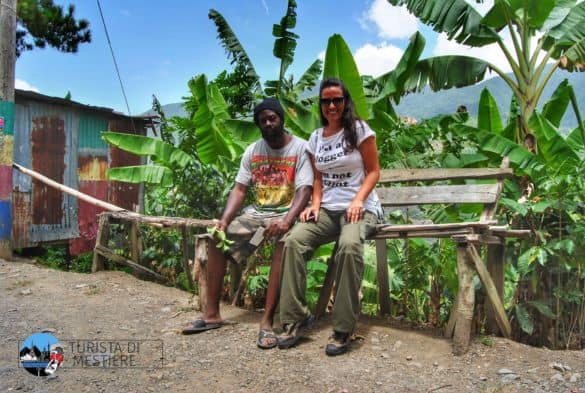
(241, 230)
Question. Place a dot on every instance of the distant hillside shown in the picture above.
(428, 104)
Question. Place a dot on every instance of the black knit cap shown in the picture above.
(271, 104)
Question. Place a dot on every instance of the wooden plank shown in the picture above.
(491, 291)
(103, 234)
(173, 222)
(449, 194)
(325, 291)
(446, 233)
(107, 253)
(465, 302)
(519, 233)
(450, 326)
(382, 272)
(433, 174)
(495, 266)
(389, 228)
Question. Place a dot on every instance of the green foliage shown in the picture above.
(42, 23)
(223, 243)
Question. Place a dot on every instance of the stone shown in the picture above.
(25, 292)
(409, 358)
(79, 286)
(504, 371)
(375, 340)
(384, 355)
(508, 378)
(557, 378)
(397, 345)
(575, 377)
(435, 364)
(483, 378)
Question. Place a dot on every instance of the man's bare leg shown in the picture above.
(273, 290)
(216, 267)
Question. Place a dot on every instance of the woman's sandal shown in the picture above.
(337, 344)
(293, 332)
(266, 339)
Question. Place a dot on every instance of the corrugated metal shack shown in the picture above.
(60, 139)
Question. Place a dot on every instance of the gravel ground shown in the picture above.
(113, 307)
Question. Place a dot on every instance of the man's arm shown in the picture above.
(232, 206)
(299, 202)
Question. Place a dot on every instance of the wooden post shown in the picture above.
(465, 302)
(492, 294)
(495, 266)
(185, 241)
(103, 235)
(135, 242)
(325, 292)
(382, 272)
(450, 327)
(200, 269)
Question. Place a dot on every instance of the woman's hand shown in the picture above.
(355, 211)
(311, 213)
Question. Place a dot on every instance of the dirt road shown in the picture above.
(116, 308)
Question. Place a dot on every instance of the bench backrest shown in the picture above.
(409, 195)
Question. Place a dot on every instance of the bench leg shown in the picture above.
(200, 270)
(382, 271)
(465, 302)
(325, 292)
(103, 234)
(495, 266)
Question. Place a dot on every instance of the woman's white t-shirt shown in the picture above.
(342, 171)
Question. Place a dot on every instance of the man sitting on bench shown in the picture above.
(278, 171)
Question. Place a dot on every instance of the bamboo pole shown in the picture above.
(69, 190)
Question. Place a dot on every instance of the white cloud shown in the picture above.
(321, 55)
(265, 7)
(390, 21)
(24, 85)
(377, 60)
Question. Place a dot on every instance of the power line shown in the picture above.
(116, 65)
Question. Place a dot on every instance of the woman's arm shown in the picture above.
(369, 153)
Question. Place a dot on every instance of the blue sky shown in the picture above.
(160, 46)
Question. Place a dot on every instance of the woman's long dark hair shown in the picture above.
(349, 117)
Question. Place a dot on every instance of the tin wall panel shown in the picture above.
(48, 152)
(88, 221)
(38, 126)
(90, 129)
(5, 182)
(92, 168)
(22, 220)
(125, 195)
(5, 219)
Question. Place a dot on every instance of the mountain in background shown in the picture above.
(428, 104)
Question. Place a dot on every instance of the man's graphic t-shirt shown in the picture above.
(342, 171)
(275, 174)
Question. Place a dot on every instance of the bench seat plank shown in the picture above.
(435, 174)
(449, 194)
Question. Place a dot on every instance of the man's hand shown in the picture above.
(277, 228)
(221, 225)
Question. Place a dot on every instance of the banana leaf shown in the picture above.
(555, 108)
(533, 13)
(160, 152)
(286, 41)
(309, 78)
(565, 35)
(488, 115)
(299, 119)
(152, 174)
(457, 18)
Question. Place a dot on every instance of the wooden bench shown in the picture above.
(458, 186)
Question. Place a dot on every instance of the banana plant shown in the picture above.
(562, 44)
(166, 158)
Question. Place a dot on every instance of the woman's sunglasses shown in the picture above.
(336, 101)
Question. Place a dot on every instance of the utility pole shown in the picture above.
(7, 75)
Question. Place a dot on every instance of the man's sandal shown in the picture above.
(199, 325)
(293, 332)
(337, 344)
(266, 339)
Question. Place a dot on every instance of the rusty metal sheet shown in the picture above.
(48, 152)
(88, 222)
(91, 168)
(5, 182)
(39, 126)
(125, 195)
(21, 220)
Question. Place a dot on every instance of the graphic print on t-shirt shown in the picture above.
(274, 181)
